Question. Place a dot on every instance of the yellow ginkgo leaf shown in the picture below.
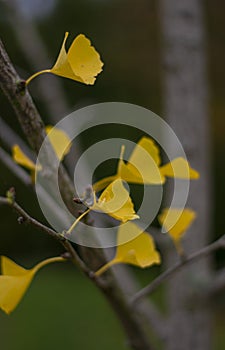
(150, 147)
(84, 60)
(103, 183)
(114, 201)
(176, 222)
(20, 158)
(138, 249)
(15, 280)
(81, 63)
(143, 167)
(180, 169)
(60, 141)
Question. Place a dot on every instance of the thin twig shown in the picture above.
(106, 289)
(66, 244)
(14, 168)
(220, 243)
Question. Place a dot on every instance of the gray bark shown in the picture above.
(186, 110)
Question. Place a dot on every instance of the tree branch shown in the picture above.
(146, 310)
(151, 314)
(34, 130)
(117, 300)
(9, 138)
(66, 244)
(219, 244)
(14, 168)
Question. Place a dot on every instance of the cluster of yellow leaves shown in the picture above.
(134, 246)
(81, 63)
(140, 249)
(144, 167)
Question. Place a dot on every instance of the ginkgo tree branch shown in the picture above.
(9, 137)
(153, 316)
(34, 129)
(21, 101)
(66, 244)
(14, 168)
(219, 244)
(30, 120)
(136, 340)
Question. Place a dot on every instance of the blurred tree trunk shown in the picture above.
(185, 101)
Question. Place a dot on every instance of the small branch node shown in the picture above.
(11, 195)
(21, 220)
(21, 87)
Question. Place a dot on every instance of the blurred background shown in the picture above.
(62, 307)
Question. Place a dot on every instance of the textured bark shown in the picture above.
(185, 97)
